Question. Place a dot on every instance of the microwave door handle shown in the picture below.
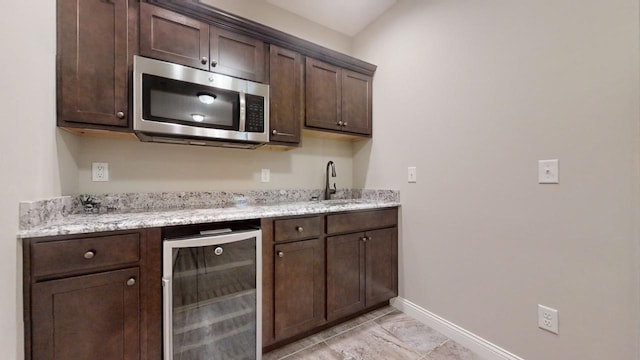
(243, 111)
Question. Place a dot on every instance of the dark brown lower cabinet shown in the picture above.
(321, 270)
(299, 287)
(361, 271)
(94, 296)
(345, 275)
(381, 252)
(83, 316)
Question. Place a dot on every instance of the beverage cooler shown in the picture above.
(212, 295)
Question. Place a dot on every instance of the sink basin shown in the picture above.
(340, 201)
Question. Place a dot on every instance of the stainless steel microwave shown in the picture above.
(182, 105)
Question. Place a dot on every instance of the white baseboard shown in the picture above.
(454, 332)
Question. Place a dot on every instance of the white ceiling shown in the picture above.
(345, 16)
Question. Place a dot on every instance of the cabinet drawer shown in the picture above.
(359, 221)
(298, 228)
(63, 256)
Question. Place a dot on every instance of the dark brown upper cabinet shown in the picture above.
(356, 102)
(337, 99)
(236, 55)
(323, 94)
(180, 39)
(173, 37)
(286, 95)
(96, 40)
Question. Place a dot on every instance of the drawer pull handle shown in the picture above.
(89, 254)
(131, 281)
(299, 229)
(280, 254)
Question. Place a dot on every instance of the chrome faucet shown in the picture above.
(328, 191)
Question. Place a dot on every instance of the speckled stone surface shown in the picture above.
(190, 208)
(36, 213)
(205, 199)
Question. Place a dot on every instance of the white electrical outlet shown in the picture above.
(548, 319)
(412, 176)
(99, 171)
(265, 176)
(548, 171)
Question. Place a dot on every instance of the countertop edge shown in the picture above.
(93, 223)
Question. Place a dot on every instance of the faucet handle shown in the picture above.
(335, 189)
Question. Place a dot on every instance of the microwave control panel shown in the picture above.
(255, 113)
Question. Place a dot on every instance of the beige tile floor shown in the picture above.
(385, 333)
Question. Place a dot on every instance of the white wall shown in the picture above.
(147, 167)
(474, 93)
(28, 143)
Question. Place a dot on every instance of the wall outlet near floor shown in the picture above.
(265, 176)
(548, 319)
(412, 176)
(99, 171)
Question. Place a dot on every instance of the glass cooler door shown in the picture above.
(212, 299)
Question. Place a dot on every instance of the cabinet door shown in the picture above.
(173, 37)
(92, 62)
(356, 102)
(345, 275)
(382, 265)
(88, 316)
(237, 55)
(286, 97)
(299, 287)
(323, 94)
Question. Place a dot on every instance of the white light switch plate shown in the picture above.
(412, 176)
(548, 171)
(265, 176)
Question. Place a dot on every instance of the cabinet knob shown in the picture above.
(299, 229)
(280, 254)
(364, 239)
(214, 63)
(344, 124)
(339, 123)
(131, 281)
(204, 60)
(120, 114)
(274, 132)
(89, 254)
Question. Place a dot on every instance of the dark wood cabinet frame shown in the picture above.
(237, 24)
(377, 265)
(145, 329)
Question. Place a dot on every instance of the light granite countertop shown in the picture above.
(88, 223)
